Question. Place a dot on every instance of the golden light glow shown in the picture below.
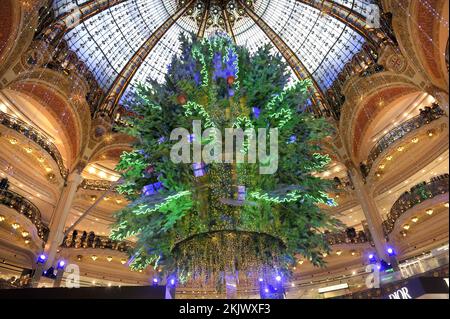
(406, 227)
(415, 140)
(300, 262)
(27, 241)
(415, 219)
(123, 261)
(25, 233)
(118, 201)
(28, 150)
(41, 159)
(338, 252)
(353, 253)
(91, 170)
(13, 141)
(446, 205)
(400, 148)
(15, 225)
(109, 258)
(382, 166)
(2, 218)
(94, 257)
(48, 169)
(429, 212)
(102, 175)
(389, 158)
(430, 133)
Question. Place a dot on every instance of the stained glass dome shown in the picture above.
(108, 38)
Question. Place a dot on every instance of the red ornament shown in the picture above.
(149, 169)
(230, 80)
(182, 99)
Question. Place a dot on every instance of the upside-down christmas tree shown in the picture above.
(205, 221)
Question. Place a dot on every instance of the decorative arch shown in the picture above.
(58, 111)
(365, 99)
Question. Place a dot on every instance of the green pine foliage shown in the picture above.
(224, 86)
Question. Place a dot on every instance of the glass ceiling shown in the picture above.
(106, 41)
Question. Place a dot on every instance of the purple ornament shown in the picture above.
(199, 169)
(241, 193)
(292, 139)
(151, 189)
(256, 112)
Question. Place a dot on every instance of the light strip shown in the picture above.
(333, 288)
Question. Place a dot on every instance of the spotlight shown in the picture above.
(172, 282)
(261, 280)
(42, 258)
(278, 278)
(266, 290)
(155, 280)
(390, 251)
(61, 264)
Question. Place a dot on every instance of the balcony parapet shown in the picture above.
(419, 193)
(95, 185)
(37, 137)
(83, 239)
(350, 236)
(26, 208)
(427, 116)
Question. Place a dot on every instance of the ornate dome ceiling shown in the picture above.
(117, 30)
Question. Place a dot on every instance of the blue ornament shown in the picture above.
(256, 112)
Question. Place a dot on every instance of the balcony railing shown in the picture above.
(83, 239)
(37, 137)
(426, 117)
(24, 207)
(419, 193)
(347, 238)
(96, 185)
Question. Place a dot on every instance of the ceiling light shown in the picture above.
(41, 159)
(15, 225)
(25, 233)
(400, 148)
(94, 258)
(102, 174)
(13, 141)
(338, 252)
(353, 273)
(300, 262)
(406, 227)
(353, 253)
(48, 169)
(382, 166)
(415, 219)
(429, 212)
(446, 205)
(415, 140)
(28, 149)
(389, 158)
(123, 261)
(430, 133)
(2, 218)
(91, 170)
(109, 258)
(27, 241)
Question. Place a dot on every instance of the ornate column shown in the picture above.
(59, 219)
(371, 213)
